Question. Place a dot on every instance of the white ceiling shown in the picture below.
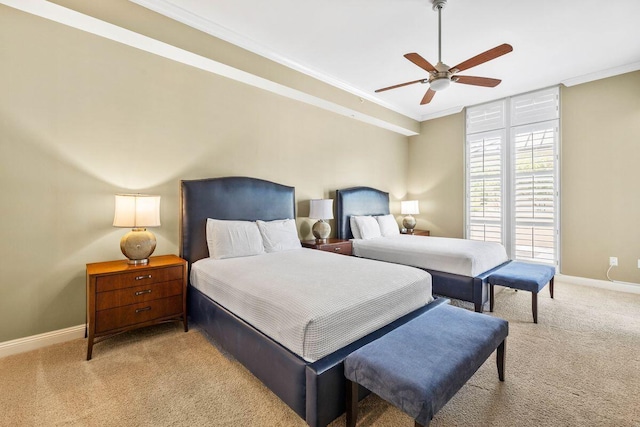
(358, 45)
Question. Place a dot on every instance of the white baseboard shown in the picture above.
(631, 288)
(35, 342)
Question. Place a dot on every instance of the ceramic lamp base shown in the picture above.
(138, 245)
(321, 231)
(409, 222)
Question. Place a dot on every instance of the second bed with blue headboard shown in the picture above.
(459, 267)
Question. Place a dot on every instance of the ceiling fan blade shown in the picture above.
(400, 85)
(483, 57)
(427, 97)
(421, 62)
(476, 81)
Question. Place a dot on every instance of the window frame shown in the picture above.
(538, 116)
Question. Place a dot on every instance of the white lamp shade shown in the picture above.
(137, 211)
(409, 207)
(321, 209)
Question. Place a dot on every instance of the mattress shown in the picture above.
(457, 256)
(312, 302)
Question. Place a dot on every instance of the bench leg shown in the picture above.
(491, 298)
(534, 306)
(500, 355)
(551, 286)
(478, 307)
(352, 402)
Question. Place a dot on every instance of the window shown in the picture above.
(512, 187)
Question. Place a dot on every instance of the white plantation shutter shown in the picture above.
(486, 117)
(485, 152)
(512, 184)
(484, 186)
(535, 107)
(534, 191)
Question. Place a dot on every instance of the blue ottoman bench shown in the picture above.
(420, 365)
(525, 277)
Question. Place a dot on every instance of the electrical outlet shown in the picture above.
(613, 261)
(638, 262)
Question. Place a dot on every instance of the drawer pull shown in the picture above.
(336, 249)
(140, 310)
(148, 276)
(146, 291)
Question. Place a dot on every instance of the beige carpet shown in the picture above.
(579, 366)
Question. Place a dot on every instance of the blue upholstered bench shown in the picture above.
(525, 277)
(420, 365)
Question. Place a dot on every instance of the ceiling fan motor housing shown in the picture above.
(441, 78)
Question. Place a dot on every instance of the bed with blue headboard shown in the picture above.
(367, 201)
(314, 390)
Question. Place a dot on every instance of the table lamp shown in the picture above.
(409, 208)
(137, 211)
(321, 209)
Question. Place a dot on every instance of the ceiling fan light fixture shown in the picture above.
(441, 75)
(439, 84)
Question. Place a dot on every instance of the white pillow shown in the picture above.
(279, 235)
(388, 225)
(368, 227)
(354, 228)
(230, 239)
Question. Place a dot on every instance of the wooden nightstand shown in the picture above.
(122, 297)
(418, 233)
(337, 246)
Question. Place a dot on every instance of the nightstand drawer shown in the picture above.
(121, 317)
(141, 278)
(120, 297)
(338, 248)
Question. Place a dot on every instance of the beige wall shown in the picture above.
(83, 118)
(600, 172)
(436, 175)
(600, 177)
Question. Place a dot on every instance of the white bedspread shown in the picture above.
(457, 256)
(312, 302)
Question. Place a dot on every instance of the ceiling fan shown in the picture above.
(442, 75)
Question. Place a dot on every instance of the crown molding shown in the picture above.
(438, 114)
(74, 19)
(603, 74)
